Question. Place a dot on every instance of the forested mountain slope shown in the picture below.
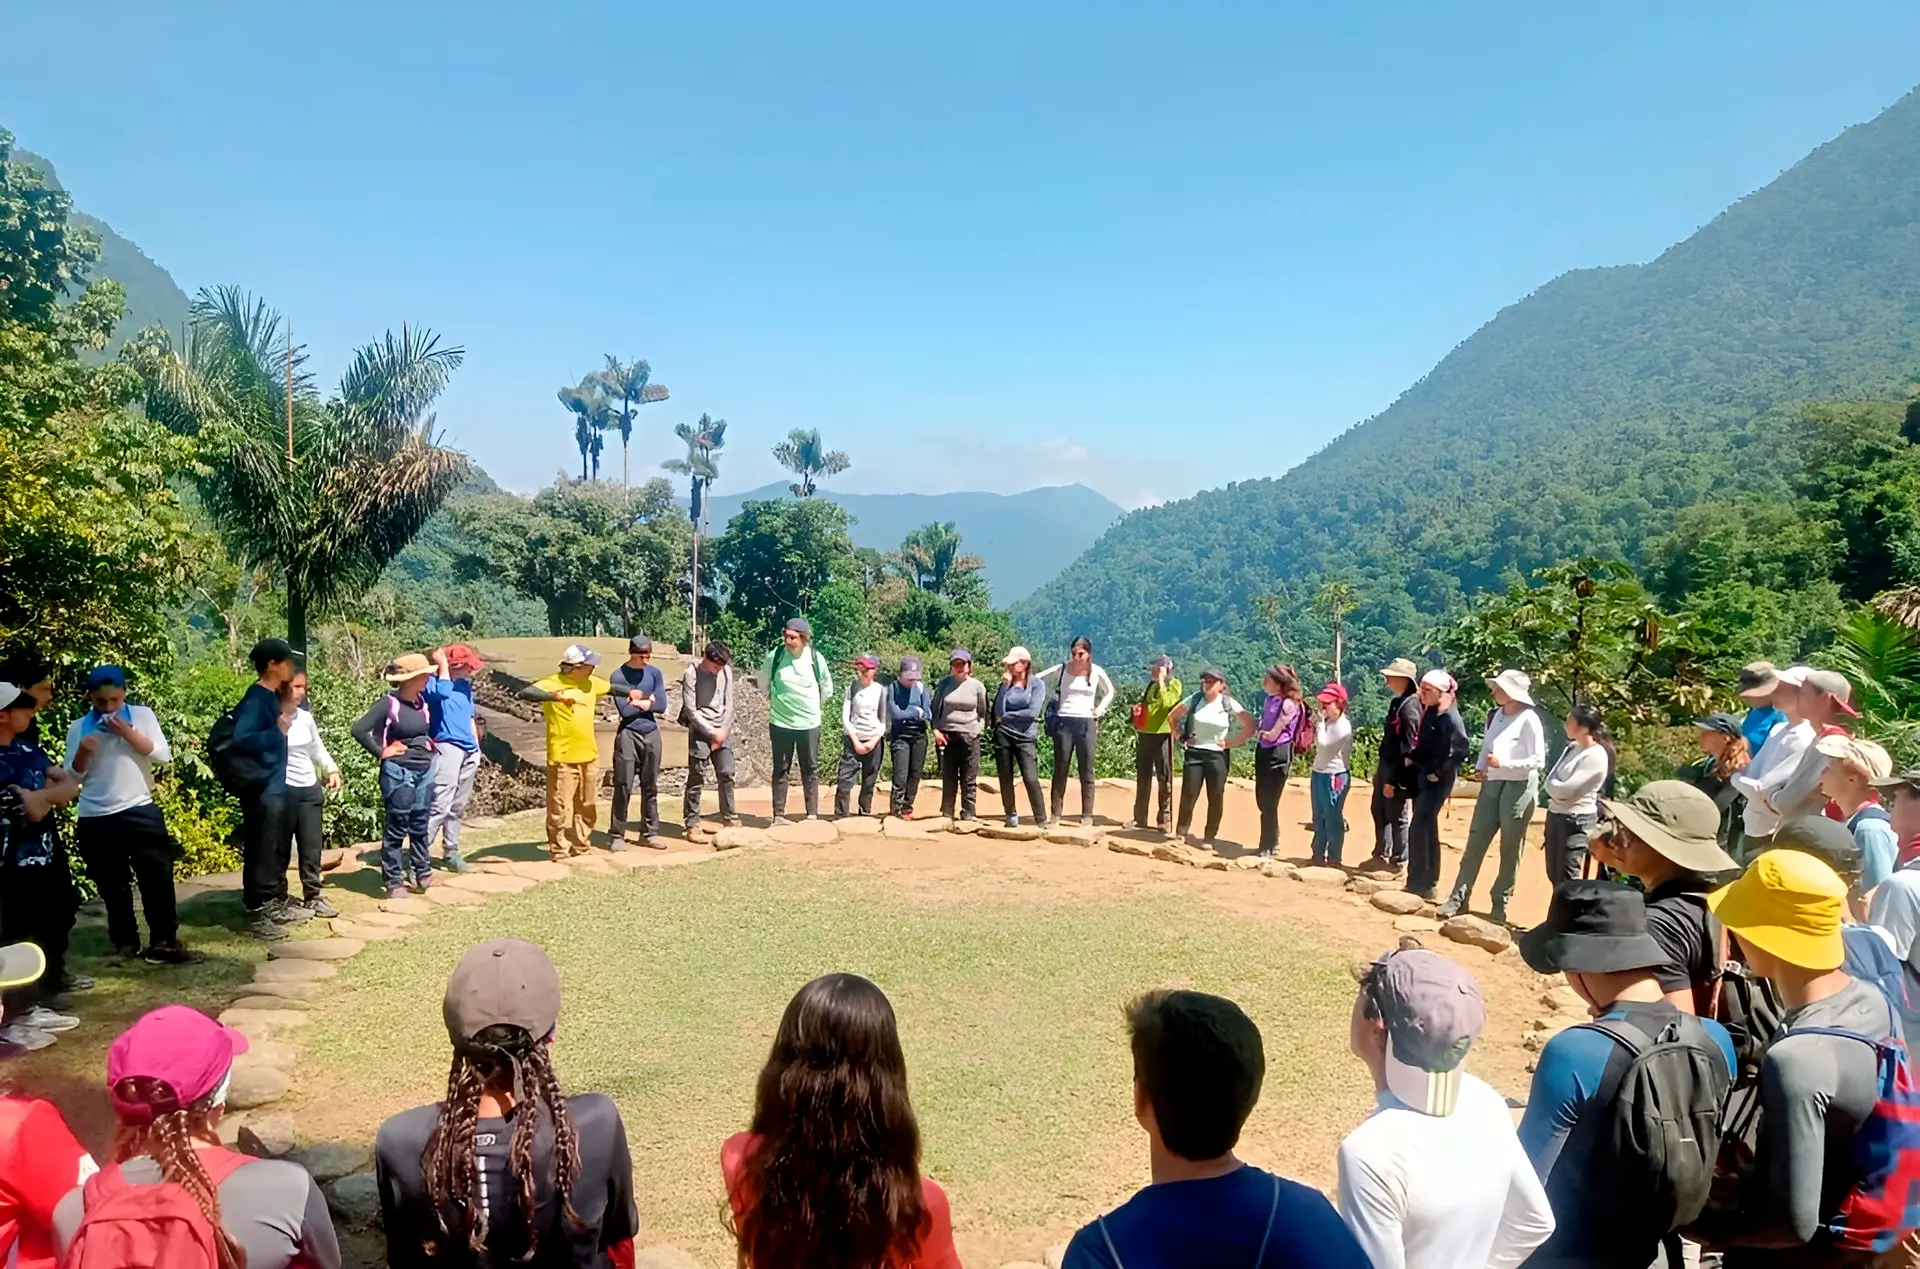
(1577, 421)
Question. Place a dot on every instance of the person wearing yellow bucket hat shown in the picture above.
(1819, 1079)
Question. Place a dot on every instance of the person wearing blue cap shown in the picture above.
(122, 836)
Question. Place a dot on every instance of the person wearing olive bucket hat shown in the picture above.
(1666, 836)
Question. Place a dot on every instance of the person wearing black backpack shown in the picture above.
(1622, 1117)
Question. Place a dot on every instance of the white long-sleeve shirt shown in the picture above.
(863, 711)
(1086, 695)
(1519, 740)
(1573, 786)
(119, 777)
(1332, 745)
(1769, 772)
(1442, 1191)
(307, 758)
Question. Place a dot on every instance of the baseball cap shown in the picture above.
(639, 643)
(909, 672)
(867, 661)
(1795, 675)
(1335, 692)
(1439, 680)
(1213, 672)
(1015, 655)
(462, 656)
(800, 627)
(1790, 904)
(579, 654)
(180, 1048)
(960, 654)
(1758, 679)
(1677, 820)
(1823, 839)
(1854, 751)
(502, 982)
(1433, 1013)
(1834, 685)
(9, 694)
(1721, 721)
(1401, 668)
(1905, 778)
(106, 676)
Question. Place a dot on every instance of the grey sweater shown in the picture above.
(707, 701)
(961, 708)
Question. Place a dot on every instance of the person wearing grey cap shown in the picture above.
(1723, 752)
(1607, 1201)
(798, 686)
(1435, 1178)
(505, 1159)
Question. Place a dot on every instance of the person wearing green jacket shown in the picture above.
(797, 682)
(1153, 742)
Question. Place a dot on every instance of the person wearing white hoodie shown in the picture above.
(1513, 753)
(1777, 762)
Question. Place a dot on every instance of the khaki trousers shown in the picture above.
(571, 807)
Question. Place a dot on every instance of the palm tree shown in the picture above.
(321, 493)
(592, 414)
(627, 384)
(930, 557)
(805, 455)
(702, 467)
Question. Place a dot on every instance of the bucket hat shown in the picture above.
(1788, 904)
(1514, 683)
(1592, 927)
(1677, 820)
(1822, 838)
(409, 665)
(1401, 668)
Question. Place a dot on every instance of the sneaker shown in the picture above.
(1265, 852)
(781, 821)
(322, 909)
(41, 1018)
(125, 952)
(617, 842)
(456, 863)
(813, 817)
(76, 982)
(729, 821)
(653, 841)
(22, 1036)
(396, 892)
(263, 924)
(905, 815)
(172, 952)
(1451, 908)
(1086, 821)
(287, 912)
(420, 884)
(1013, 821)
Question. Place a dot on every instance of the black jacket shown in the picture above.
(259, 752)
(1440, 747)
(1396, 739)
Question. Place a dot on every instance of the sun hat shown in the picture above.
(1868, 756)
(1333, 692)
(1822, 838)
(1721, 721)
(799, 626)
(502, 982)
(1439, 680)
(1514, 683)
(909, 672)
(1433, 1013)
(21, 963)
(408, 665)
(106, 676)
(1401, 668)
(461, 656)
(1834, 686)
(1788, 904)
(180, 1048)
(1592, 927)
(1758, 679)
(1015, 655)
(960, 654)
(1905, 778)
(1677, 820)
(639, 643)
(867, 661)
(579, 654)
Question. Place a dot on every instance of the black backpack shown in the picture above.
(1646, 1145)
(1751, 1010)
(220, 754)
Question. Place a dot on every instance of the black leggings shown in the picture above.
(298, 825)
(1010, 752)
(1270, 766)
(1423, 836)
(1204, 768)
(909, 758)
(959, 772)
(788, 745)
(37, 905)
(1073, 742)
(1390, 821)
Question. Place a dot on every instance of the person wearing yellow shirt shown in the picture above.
(569, 700)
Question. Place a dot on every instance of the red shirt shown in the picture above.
(39, 1162)
(936, 1252)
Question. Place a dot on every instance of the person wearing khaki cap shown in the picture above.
(1895, 904)
(504, 1158)
(1666, 836)
(1853, 765)
(397, 730)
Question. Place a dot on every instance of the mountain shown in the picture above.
(153, 297)
(1024, 539)
(1578, 421)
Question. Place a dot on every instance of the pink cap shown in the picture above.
(867, 661)
(181, 1048)
(1335, 692)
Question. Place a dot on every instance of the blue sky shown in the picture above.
(1151, 248)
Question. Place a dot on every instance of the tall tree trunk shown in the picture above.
(693, 623)
(1336, 650)
(296, 616)
(625, 483)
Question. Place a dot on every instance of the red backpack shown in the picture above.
(148, 1226)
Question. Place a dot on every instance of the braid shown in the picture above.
(168, 1141)
(520, 1159)
(449, 1162)
(566, 1140)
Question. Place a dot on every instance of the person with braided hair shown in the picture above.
(506, 1170)
(167, 1077)
(828, 1174)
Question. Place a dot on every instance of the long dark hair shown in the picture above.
(168, 1139)
(505, 1059)
(1289, 680)
(833, 1178)
(1588, 716)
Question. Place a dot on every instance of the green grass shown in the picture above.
(1009, 1000)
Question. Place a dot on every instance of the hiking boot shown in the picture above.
(322, 909)
(396, 892)
(261, 924)
(41, 1018)
(1013, 821)
(172, 952)
(21, 1036)
(455, 863)
(1451, 908)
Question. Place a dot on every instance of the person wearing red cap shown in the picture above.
(39, 1158)
(1332, 774)
(456, 748)
(167, 1078)
(505, 1170)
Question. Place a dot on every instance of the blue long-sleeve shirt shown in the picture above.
(909, 710)
(648, 681)
(452, 712)
(1016, 710)
(259, 751)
